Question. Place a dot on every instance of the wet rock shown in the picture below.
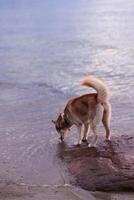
(109, 167)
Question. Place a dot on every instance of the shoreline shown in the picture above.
(32, 192)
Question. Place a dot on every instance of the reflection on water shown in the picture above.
(56, 43)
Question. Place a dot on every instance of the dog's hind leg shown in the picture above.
(85, 132)
(94, 129)
(106, 121)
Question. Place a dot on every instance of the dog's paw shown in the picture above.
(77, 143)
(91, 145)
(61, 142)
(85, 141)
(108, 139)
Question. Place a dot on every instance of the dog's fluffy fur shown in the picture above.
(87, 111)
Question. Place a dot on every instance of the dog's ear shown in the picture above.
(54, 122)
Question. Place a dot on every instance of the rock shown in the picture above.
(109, 167)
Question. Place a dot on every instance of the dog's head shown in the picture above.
(61, 125)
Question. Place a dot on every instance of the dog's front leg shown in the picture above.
(80, 134)
(85, 133)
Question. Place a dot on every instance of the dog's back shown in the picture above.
(83, 109)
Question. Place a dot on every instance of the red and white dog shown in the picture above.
(87, 111)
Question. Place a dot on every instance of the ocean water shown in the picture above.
(56, 43)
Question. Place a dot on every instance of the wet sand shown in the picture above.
(31, 155)
(22, 192)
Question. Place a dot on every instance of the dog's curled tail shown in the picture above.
(103, 92)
